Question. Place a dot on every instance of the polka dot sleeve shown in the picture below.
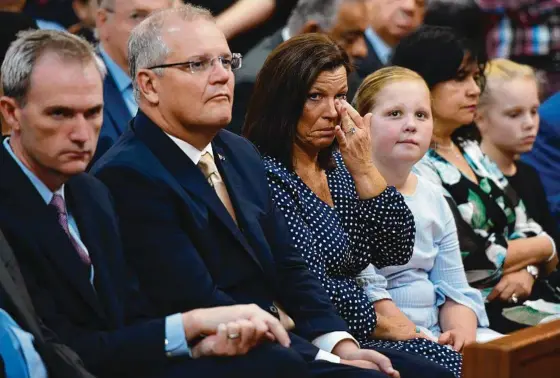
(382, 227)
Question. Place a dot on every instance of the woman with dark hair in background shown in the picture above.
(503, 249)
(340, 212)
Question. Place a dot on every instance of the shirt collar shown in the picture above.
(192, 152)
(121, 78)
(382, 49)
(286, 34)
(45, 192)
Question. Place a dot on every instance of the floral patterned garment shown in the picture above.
(491, 213)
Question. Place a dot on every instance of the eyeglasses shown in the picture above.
(202, 65)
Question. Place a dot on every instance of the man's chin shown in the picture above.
(74, 168)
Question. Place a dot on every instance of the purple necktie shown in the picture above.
(58, 202)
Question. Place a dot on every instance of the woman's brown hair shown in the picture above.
(281, 91)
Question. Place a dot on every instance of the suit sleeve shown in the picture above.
(301, 293)
(156, 246)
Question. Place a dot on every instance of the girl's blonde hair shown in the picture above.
(366, 95)
(502, 70)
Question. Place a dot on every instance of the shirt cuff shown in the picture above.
(175, 340)
(328, 341)
(326, 356)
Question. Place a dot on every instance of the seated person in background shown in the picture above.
(545, 155)
(431, 290)
(390, 21)
(114, 23)
(196, 216)
(340, 211)
(69, 249)
(345, 21)
(501, 246)
(508, 120)
(86, 11)
(13, 21)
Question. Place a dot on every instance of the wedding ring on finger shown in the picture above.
(233, 336)
(351, 131)
(514, 298)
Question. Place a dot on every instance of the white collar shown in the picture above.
(192, 152)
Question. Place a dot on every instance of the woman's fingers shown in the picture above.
(445, 338)
(458, 343)
(353, 115)
(340, 137)
(507, 293)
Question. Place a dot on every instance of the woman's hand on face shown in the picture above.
(354, 138)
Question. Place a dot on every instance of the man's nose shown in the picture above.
(81, 130)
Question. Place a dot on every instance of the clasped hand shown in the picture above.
(232, 330)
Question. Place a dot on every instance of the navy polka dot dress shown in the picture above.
(338, 243)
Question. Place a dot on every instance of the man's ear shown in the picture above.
(10, 113)
(79, 9)
(101, 18)
(148, 85)
(310, 26)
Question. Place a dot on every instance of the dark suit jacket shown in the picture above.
(115, 116)
(369, 64)
(246, 77)
(60, 360)
(184, 245)
(90, 322)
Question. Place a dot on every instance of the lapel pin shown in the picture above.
(221, 157)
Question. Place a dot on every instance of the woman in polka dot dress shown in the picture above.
(341, 214)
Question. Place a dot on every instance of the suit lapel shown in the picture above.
(235, 188)
(52, 240)
(188, 175)
(88, 219)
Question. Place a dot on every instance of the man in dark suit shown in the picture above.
(115, 20)
(60, 360)
(63, 229)
(390, 22)
(344, 21)
(196, 215)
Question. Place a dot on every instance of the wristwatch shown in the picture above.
(533, 271)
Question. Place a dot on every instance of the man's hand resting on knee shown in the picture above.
(231, 330)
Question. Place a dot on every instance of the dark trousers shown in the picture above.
(414, 366)
(275, 361)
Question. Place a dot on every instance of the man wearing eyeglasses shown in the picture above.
(195, 213)
(114, 22)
